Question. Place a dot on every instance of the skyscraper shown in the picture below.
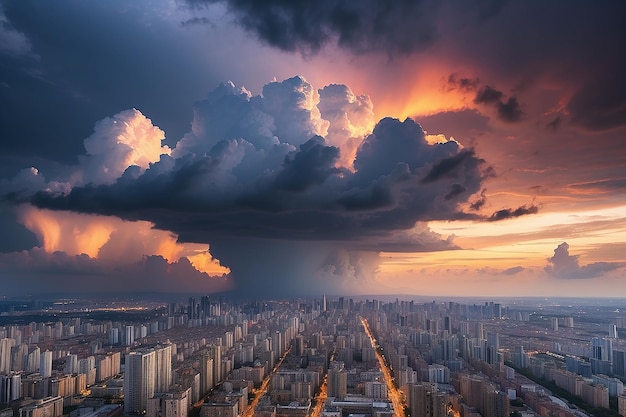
(139, 380)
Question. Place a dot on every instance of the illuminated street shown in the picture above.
(320, 400)
(394, 394)
(261, 391)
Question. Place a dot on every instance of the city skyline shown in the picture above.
(308, 148)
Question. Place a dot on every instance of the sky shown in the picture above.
(307, 147)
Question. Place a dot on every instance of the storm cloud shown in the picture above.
(258, 169)
(308, 26)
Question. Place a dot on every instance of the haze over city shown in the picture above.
(291, 148)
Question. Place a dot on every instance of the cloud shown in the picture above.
(37, 271)
(479, 202)
(126, 139)
(488, 95)
(12, 41)
(371, 25)
(513, 271)
(510, 213)
(508, 111)
(256, 169)
(564, 265)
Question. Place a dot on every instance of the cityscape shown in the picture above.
(326, 356)
(312, 208)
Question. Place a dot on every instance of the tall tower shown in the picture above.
(324, 303)
(139, 380)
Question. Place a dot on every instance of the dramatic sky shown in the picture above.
(306, 147)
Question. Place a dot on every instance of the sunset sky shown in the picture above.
(304, 147)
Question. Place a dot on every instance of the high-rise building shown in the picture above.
(5, 354)
(337, 381)
(129, 335)
(215, 353)
(425, 401)
(10, 387)
(495, 403)
(602, 349)
(71, 364)
(206, 372)
(19, 357)
(169, 404)
(163, 355)
(277, 344)
(33, 360)
(299, 345)
(139, 380)
(619, 363)
(45, 364)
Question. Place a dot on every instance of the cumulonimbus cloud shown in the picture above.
(258, 168)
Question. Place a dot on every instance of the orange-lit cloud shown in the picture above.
(113, 239)
(205, 262)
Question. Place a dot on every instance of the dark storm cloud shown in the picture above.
(580, 44)
(307, 26)
(564, 265)
(510, 213)
(230, 186)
